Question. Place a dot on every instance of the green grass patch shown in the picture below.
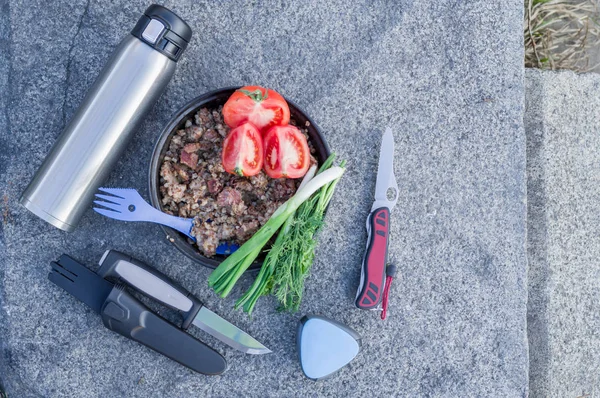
(562, 34)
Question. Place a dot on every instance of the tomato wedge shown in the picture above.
(243, 151)
(286, 152)
(260, 106)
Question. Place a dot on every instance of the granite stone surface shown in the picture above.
(563, 125)
(448, 78)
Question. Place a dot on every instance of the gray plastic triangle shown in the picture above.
(325, 346)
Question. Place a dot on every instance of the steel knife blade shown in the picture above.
(228, 333)
(386, 181)
(158, 286)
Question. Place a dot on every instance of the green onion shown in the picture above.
(229, 271)
(289, 260)
(287, 283)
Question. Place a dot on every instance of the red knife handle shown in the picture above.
(370, 292)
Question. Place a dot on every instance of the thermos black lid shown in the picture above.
(173, 22)
(163, 30)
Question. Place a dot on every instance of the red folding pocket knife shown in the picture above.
(376, 276)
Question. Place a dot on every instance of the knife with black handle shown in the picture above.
(124, 314)
(151, 282)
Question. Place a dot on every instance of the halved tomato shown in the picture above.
(260, 106)
(243, 151)
(286, 152)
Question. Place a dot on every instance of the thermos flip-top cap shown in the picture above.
(163, 30)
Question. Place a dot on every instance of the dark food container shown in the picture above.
(213, 100)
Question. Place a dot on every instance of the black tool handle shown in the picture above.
(370, 291)
(79, 281)
(151, 282)
(124, 314)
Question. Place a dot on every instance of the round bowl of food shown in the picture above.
(192, 176)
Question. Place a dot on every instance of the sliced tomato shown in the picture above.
(286, 152)
(260, 106)
(243, 151)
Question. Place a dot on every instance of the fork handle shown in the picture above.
(183, 225)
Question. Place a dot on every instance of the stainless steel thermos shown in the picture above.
(121, 96)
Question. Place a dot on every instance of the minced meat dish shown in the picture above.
(225, 207)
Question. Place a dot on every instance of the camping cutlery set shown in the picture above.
(324, 346)
(79, 162)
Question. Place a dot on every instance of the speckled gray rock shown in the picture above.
(563, 136)
(447, 76)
